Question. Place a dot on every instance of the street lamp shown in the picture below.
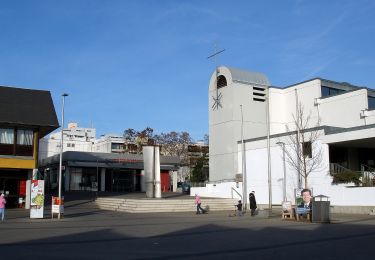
(244, 177)
(61, 150)
(284, 188)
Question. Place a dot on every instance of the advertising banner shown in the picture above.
(37, 199)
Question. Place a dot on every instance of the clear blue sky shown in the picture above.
(133, 64)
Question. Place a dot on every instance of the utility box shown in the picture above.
(320, 209)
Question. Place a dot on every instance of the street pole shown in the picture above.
(244, 177)
(269, 153)
(284, 182)
(61, 150)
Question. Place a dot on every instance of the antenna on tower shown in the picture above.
(216, 52)
(217, 102)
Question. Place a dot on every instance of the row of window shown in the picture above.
(327, 91)
(16, 142)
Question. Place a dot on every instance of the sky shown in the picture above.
(134, 64)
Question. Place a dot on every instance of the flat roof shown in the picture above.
(107, 160)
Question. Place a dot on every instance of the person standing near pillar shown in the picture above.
(253, 203)
(2, 206)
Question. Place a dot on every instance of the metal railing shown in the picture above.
(367, 173)
(232, 189)
(368, 176)
(337, 168)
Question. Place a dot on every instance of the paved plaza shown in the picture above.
(87, 232)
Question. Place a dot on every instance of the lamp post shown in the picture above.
(61, 150)
(284, 182)
(244, 177)
(269, 152)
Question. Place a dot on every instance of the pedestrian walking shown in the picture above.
(198, 202)
(253, 203)
(2, 206)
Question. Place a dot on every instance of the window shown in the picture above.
(327, 91)
(24, 142)
(371, 103)
(117, 146)
(6, 141)
(306, 149)
(221, 81)
(16, 142)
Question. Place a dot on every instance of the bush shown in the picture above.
(347, 177)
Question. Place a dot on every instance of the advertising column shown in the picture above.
(37, 199)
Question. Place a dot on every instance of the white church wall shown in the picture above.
(307, 92)
(319, 181)
(277, 112)
(344, 110)
(219, 190)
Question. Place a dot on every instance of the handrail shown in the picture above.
(368, 175)
(232, 189)
(369, 169)
(337, 168)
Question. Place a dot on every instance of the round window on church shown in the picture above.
(221, 81)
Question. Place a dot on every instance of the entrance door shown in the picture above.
(164, 176)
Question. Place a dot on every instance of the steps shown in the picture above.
(163, 205)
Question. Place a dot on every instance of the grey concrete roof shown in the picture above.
(28, 108)
(249, 77)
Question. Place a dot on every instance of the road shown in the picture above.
(89, 233)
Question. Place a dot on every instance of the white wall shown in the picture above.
(225, 124)
(344, 110)
(283, 105)
(320, 181)
(219, 190)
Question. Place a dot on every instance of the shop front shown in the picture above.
(105, 172)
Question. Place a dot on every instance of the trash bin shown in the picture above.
(320, 209)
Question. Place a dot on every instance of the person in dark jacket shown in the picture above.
(239, 208)
(253, 203)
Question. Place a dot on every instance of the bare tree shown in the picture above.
(175, 144)
(172, 143)
(134, 140)
(304, 155)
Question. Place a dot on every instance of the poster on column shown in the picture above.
(37, 199)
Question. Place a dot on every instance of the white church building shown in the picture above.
(247, 113)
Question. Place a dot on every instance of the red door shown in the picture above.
(164, 177)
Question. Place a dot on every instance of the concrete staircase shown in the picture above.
(163, 205)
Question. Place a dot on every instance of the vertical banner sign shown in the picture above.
(37, 199)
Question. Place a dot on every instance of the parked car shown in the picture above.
(185, 187)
